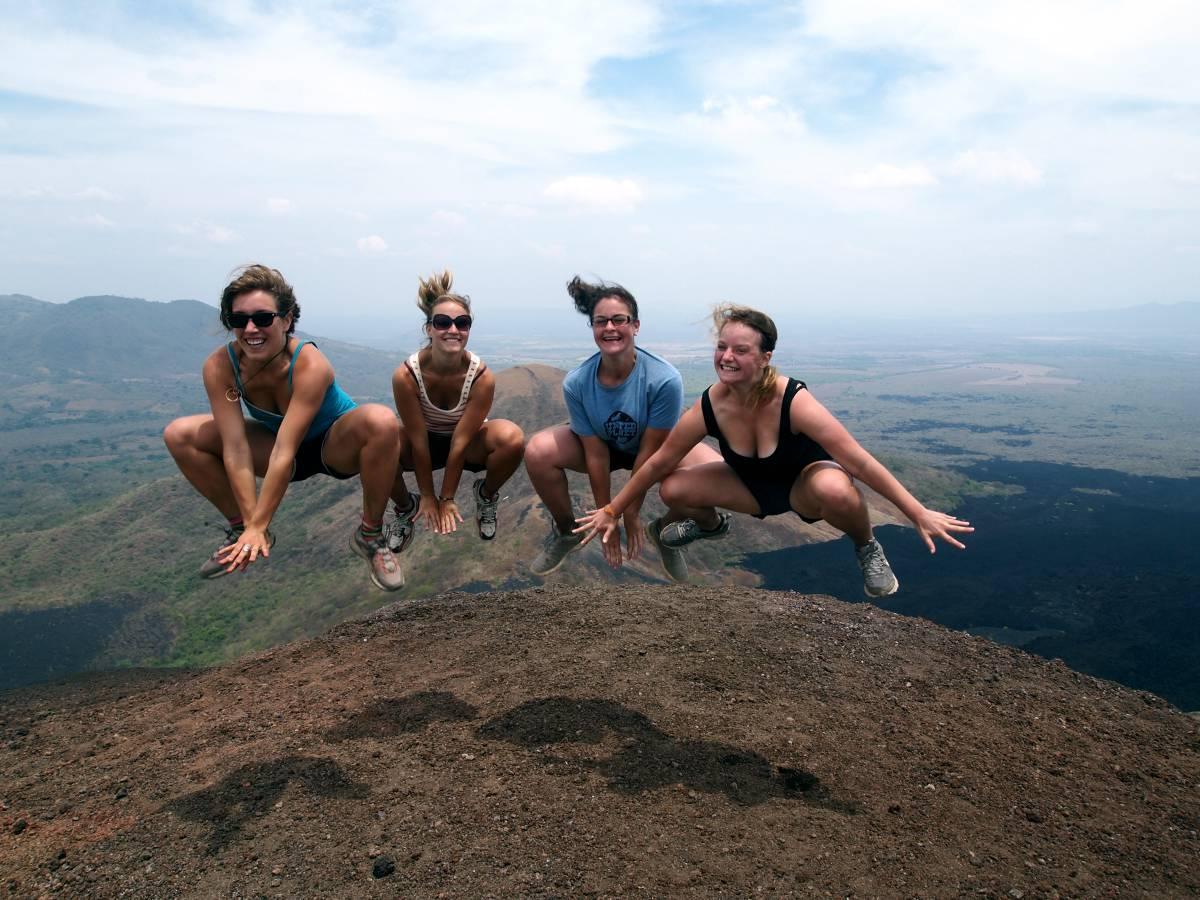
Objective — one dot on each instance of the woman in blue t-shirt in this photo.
(300, 424)
(622, 402)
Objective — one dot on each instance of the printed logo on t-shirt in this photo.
(620, 428)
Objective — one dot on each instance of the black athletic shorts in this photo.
(439, 451)
(619, 459)
(309, 461)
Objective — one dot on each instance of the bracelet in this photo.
(608, 509)
(445, 499)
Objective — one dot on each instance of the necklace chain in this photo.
(233, 395)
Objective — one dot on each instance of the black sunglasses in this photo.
(261, 319)
(442, 322)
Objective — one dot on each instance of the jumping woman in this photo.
(300, 424)
(781, 451)
(443, 394)
(622, 402)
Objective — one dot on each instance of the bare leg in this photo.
(824, 490)
(681, 494)
(194, 442)
(366, 440)
(705, 486)
(548, 455)
(499, 446)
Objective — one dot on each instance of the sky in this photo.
(844, 158)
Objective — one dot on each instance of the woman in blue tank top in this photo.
(781, 451)
(300, 424)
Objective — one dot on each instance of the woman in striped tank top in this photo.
(443, 394)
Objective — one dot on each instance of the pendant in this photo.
(233, 395)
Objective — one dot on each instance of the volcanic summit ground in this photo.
(628, 740)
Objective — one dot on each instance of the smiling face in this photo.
(253, 340)
(613, 339)
(452, 339)
(738, 357)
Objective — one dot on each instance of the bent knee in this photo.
(380, 422)
(178, 434)
(835, 492)
(509, 436)
(541, 450)
(673, 490)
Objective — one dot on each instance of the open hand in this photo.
(448, 516)
(931, 524)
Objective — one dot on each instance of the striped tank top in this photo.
(442, 421)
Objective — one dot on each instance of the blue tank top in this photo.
(335, 404)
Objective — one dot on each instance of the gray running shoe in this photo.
(555, 548)
(381, 562)
(878, 578)
(674, 560)
(683, 532)
(485, 510)
(213, 567)
(399, 532)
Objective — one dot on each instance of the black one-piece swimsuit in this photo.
(770, 478)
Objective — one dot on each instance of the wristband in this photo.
(608, 509)
(445, 499)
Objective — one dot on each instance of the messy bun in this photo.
(586, 295)
(436, 288)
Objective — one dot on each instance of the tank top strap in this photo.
(237, 369)
(794, 387)
(710, 418)
(472, 370)
(414, 366)
(295, 353)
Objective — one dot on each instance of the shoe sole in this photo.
(556, 566)
(360, 551)
(894, 589)
(652, 531)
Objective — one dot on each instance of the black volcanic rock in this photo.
(564, 741)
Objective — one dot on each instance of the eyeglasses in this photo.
(442, 322)
(618, 321)
(261, 319)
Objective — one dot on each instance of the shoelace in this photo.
(487, 509)
(873, 563)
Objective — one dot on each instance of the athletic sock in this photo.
(369, 531)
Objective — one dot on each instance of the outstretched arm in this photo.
(809, 416)
(686, 434)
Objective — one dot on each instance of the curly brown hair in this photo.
(256, 277)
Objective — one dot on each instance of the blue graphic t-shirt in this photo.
(651, 397)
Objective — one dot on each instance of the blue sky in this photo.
(928, 157)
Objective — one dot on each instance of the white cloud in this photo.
(592, 193)
(279, 206)
(448, 218)
(372, 245)
(885, 176)
(95, 220)
(1004, 167)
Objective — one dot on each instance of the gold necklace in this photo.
(233, 395)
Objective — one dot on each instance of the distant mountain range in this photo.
(48, 331)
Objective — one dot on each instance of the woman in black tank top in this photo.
(781, 451)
